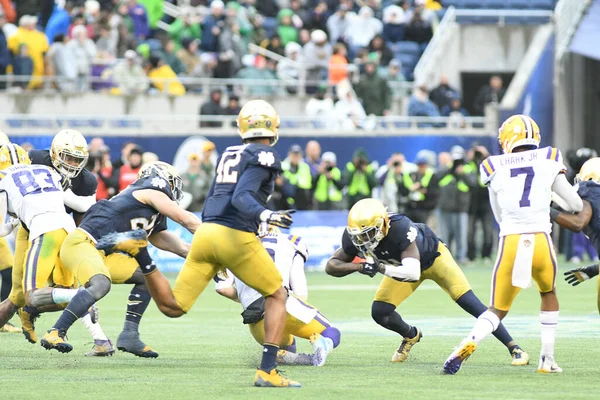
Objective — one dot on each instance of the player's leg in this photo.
(383, 310)
(80, 256)
(544, 273)
(6, 263)
(16, 298)
(448, 275)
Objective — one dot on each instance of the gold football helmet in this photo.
(368, 223)
(258, 119)
(519, 130)
(590, 171)
(166, 171)
(69, 152)
(4, 139)
(13, 154)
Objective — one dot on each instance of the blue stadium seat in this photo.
(542, 4)
(518, 4)
(494, 4)
(406, 47)
(472, 3)
(407, 60)
(455, 3)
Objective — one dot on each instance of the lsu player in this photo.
(407, 253)
(587, 221)
(521, 182)
(144, 207)
(6, 265)
(234, 207)
(289, 253)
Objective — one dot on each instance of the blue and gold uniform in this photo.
(590, 191)
(227, 238)
(437, 264)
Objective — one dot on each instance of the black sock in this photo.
(471, 304)
(76, 309)
(136, 305)
(269, 357)
(6, 283)
(385, 315)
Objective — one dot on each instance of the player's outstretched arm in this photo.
(410, 269)
(161, 292)
(573, 222)
(164, 205)
(340, 264)
(168, 241)
(568, 193)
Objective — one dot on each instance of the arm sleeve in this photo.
(298, 278)
(566, 192)
(495, 206)
(79, 203)
(243, 196)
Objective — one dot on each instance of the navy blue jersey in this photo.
(590, 191)
(244, 180)
(124, 212)
(401, 234)
(84, 184)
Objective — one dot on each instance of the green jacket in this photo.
(178, 31)
(155, 11)
(375, 94)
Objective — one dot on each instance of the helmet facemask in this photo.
(69, 164)
(368, 237)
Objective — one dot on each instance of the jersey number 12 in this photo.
(529, 173)
(229, 160)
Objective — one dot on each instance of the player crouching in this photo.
(303, 320)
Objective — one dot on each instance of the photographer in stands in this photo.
(359, 177)
(99, 163)
(297, 173)
(328, 184)
(421, 190)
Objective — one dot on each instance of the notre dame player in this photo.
(407, 254)
(143, 206)
(588, 220)
(227, 239)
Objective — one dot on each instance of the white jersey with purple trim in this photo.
(33, 193)
(522, 183)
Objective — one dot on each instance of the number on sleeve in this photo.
(529, 173)
(229, 160)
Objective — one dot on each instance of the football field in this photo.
(210, 354)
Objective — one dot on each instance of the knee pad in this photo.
(98, 286)
(380, 311)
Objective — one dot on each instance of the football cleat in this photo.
(458, 356)
(129, 242)
(273, 379)
(321, 348)
(547, 365)
(102, 348)
(129, 342)
(10, 328)
(56, 340)
(28, 315)
(285, 357)
(407, 343)
(519, 357)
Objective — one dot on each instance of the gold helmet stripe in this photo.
(528, 127)
(14, 157)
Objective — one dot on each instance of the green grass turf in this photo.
(210, 354)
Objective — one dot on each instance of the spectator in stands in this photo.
(211, 27)
(289, 71)
(8, 11)
(378, 47)
(129, 171)
(297, 173)
(418, 29)
(22, 67)
(393, 24)
(393, 74)
(492, 93)
(328, 184)
(212, 107)
(320, 106)
(186, 26)
(126, 41)
(129, 75)
(303, 37)
(139, 19)
(197, 180)
(389, 177)
(171, 58)
(455, 186)
(259, 34)
(4, 52)
(337, 24)
(444, 161)
(79, 19)
(313, 156)
(274, 45)
(282, 192)
(231, 49)
(59, 21)
(362, 29)
(318, 16)
(103, 169)
(300, 12)
(421, 190)
(317, 53)
(374, 91)
(122, 160)
(480, 210)
(155, 11)
(349, 112)
(106, 46)
(419, 104)
(359, 177)
(163, 78)
(233, 107)
(456, 112)
(63, 63)
(36, 44)
(286, 30)
(188, 55)
(258, 71)
(338, 64)
(443, 93)
(268, 8)
(84, 52)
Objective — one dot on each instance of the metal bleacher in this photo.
(509, 12)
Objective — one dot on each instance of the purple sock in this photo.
(292, 347)
(333, 334)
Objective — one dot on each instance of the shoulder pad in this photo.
(41, 157)
(586, 189)
(299, 245)
(263, 156)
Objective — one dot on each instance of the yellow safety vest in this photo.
(301, 178)
(461, 186)
(359, 183)
(326, 189)
(425, 180)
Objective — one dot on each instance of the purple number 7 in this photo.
(529, 173)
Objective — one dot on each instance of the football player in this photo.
(303, 320)
(143, 206)
(520, 184)
(407, 253)
(234, 207)
(587, 221)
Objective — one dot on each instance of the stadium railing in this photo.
(568, 14)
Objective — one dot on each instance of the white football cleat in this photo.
(321, 347)
(547, 365)
(458, 356)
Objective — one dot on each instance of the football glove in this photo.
(129, 242)
(577, 275)
(281, 219)
(370, 267)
